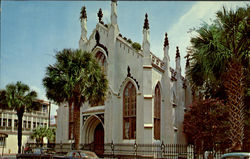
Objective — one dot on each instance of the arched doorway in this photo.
(99, 140)
(93, 134)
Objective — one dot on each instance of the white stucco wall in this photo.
(121, 55)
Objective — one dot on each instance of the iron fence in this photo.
(127, 151)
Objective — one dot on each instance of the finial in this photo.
(97, 37)
(166, 40)
(83, 13)
(188, 60)
(129, 74)
(99, 14)
(177, 52)
(146, 25)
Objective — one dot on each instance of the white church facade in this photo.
(146, 99)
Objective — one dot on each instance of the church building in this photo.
(146, 98)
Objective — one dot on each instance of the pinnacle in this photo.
(146, 24)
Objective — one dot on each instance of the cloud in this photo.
(106, 16)
(200, 12)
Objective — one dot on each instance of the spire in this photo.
(178, 64)
(113, 15)
(100, 15)
(166, 40)
(146, 24)
(83, 13)
(83, 20)
(166, 58)
(177, 52)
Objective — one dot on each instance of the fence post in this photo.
(135, 147)
(112, 149)
(61, 146)
(162, 149)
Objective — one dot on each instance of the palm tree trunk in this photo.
(19, 129)
(235, 102)
(77, 106)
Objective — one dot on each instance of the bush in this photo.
(130, 41)
(136, 46)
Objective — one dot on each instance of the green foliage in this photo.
(75, 73)
(41, 132)
(214, 50)
(20, 98)
(75, 78)
(136, 46)
(227, 38)
(129, 41)
(206, 123)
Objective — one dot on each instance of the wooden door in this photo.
(99, 140)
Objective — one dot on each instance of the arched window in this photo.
(129, 112)
(102, 61)
(157, 113)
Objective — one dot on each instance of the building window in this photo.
(45, 125)
(101, 59)
(38, 124)
(2, 142)
(29, 124)
(9, 122)
(129, 112)
(25, 124)
(4, 122)
(34, 125)
(45, 108)
(157, 113)
(15, 123)
(0, 121)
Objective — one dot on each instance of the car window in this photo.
(90, 154)
(37, 151)
(83, 154)
(69, 154)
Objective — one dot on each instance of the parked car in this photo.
(36, 153)
(78, 154)
(236, 155)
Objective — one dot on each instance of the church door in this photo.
(99, 140)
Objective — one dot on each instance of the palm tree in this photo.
(75, 78)
(19, 97)
(40, 132)
(220, 55)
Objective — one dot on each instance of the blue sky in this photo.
(32, 31)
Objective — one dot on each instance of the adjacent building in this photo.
(9, 121)
(146, 98)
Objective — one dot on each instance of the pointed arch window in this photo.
(101, 58)
(129, 112)
(157, 113)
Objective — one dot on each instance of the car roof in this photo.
(244, 154)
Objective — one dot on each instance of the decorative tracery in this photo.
(129, 111)
(157, 113)
(101, 58)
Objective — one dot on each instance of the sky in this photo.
(32, 31)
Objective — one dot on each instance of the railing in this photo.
(170, 151)
(161, 151)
